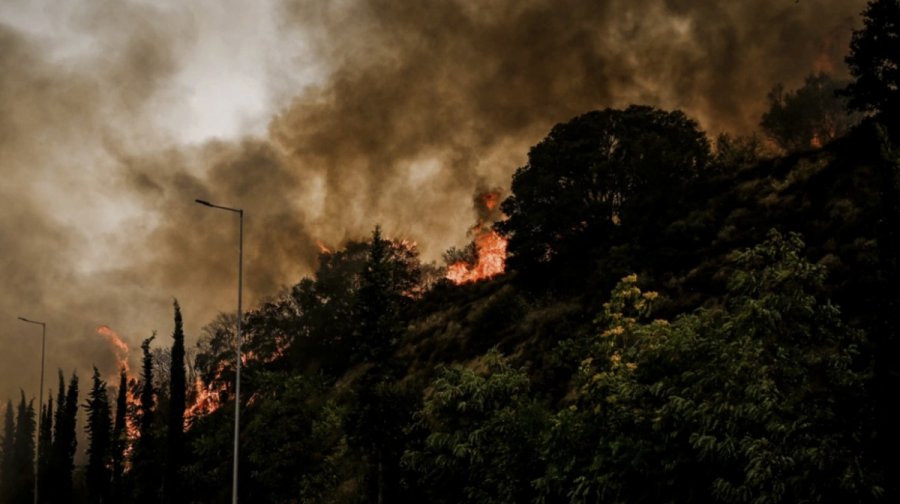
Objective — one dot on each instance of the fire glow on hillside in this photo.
(490, 247)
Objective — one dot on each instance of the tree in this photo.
(599, 172)
(62, 456)
(7, 454)
(99, 427)
(298, 460)
(382, 406)
(145, 466)
(874, 61)
(44, 454)
(175, 431)
(756, 400)
(23, 454)
(482, 435)
(807, 117)
(119, 439)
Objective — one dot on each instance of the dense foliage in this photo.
(680, 322)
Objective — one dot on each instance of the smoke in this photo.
(379, 112)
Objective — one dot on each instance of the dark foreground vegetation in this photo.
(680, 321)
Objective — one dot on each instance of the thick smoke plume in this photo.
(405, 110)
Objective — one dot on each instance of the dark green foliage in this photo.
(21, 490)
(7, 453)
(808, 117)
(753, 401)
(874, 61)
(483, 428)
(599, 172)
(145, 464)
(175, 431)
(297, 461)
(44, 453)
(58, 486)
(99, 429)
(119, 440)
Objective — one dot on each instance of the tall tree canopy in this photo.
(874, 60)
(99, 429)
(175, 431)
(592, 174)
(807, 117)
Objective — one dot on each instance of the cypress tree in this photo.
(119, 439)
(46, 437)
(68, 441)
(23, 454)
(99, 432)
(144, 463)
(175, 444)
(7, 452)
(55, 473)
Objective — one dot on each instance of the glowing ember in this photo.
(490, 247)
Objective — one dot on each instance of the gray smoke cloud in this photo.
(412, 108)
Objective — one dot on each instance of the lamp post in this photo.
(237, 386)
(37, 451)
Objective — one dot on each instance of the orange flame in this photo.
(120, 348)
(490, 247)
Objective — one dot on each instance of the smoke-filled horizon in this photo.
(321, 120)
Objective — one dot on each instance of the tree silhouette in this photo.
(175, 431)
(7, 454)
(99, 427)
(145, 466)
(593, 175)
(807, 117)
(44, 454)
(874, 61)
(119, 439)
(23, 458)
(62, 456)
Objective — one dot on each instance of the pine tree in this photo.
(58, 486)
(378, 396)
(55, 471)
(98, 429)
(46, 437)
(119, 439)
(23, 454)
(6, 454)
(175, 439)
(144, 463)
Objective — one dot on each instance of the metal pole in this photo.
(237, 390)
(37, 450)
(237, 379)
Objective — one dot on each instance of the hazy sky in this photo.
(320, 119)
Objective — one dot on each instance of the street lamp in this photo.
(37, 450)
(237, 386)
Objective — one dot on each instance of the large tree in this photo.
(598, 172)
(145, 463)
(757, 399)
(7, 452)
(99, 427)
(874, 61)
(23, 454)
(808, 117)
(119, 438)
(175, 430)
(44, 453)
(62, 452)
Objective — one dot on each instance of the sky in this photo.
(321, 120)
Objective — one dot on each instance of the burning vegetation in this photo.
(485, 256)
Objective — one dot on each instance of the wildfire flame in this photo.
(490, 247)
(120, 348)
(205, 398)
